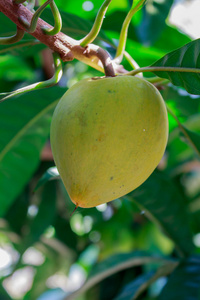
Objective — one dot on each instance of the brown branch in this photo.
(67, 47)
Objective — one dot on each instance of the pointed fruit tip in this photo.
(74, 210)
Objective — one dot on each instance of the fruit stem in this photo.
(106, 61)
(74, 210)
(103, 56)
(89, 38)
(124, 30)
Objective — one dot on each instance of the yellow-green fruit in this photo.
(107, 137)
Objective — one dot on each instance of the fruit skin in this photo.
(107, 137)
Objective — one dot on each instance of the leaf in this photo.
(14, 69)
(182, 103)
(64, 232)
(153, 20)
(170, 39)
(3, 293)
(16, 216)
(24, 128)
(134, 288)
(44, 218)
(130, 290)
(184, 282)
(28, 46)
(143, 55)
(178, 151)
(160, 199)
(193, 138)
(50, 174)
(80, 8)
(114, 23)
(186, 57)
(115, 264)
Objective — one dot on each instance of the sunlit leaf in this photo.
(44, 217)
(25, 123)
(185, 57)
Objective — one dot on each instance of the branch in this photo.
(67, 47)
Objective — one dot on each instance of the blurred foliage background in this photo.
(144, 245)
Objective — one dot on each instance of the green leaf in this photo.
(134, 288)
(153, 20)
(14, 68)
(78, 8)
(182, 103)
(143, 55)
(24, 128)
(160, 199)
(16, 216)
(64, 232)
(3, 293)
(178, 150)
(115, 264)
(184, 282)
(193, 138)
(8, 28)
(130, 291)
(114, 23)
(185, 57)
(50, 174)
(44, 218)
(170, 39)
(28, 46)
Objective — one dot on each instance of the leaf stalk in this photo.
(124, 30)
(31, 27)
(163, 69)
(57, 20)
(90, 37)
(42, 84)
(14, 38)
